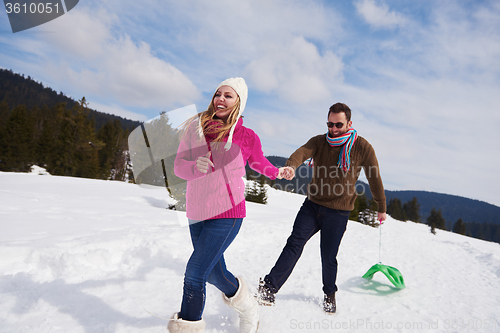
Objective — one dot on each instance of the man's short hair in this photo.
(340, 107)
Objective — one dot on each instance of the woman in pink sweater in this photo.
(212, 155)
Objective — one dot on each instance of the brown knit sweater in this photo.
(331, 186)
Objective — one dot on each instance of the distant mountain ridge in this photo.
(16, 89)
(452, 207)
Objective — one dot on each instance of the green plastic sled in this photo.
(392, 273)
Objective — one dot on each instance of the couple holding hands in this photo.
(214, 150)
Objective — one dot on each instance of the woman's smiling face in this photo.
(224, 99)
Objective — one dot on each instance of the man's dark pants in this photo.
(310, 219)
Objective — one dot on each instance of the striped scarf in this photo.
(345, 140)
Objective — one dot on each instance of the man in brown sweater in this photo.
(337, 159)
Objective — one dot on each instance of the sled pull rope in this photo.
(380, 241)
(155, 315)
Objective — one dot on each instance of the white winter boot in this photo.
(178, 325)
(246, 306)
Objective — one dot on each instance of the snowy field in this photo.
(80, 255)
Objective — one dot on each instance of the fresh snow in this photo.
(81, 255)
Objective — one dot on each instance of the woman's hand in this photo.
(286, 172)
(203, 162)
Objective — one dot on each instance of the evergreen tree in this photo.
(3, 149)
(412, 210)
(45, 137)
(4, 115)
(395, 209)
(85, 142)
(485, 232)
(111, 156)
(256, 191)
(359, 206)
(122, 166)
(363, 203)
(354, 214)
(366, 211)
(62, 162)
(436, 220)
(18, 134)
(251, 174)
(4, 112)
(496, 235)
(459, 227)
(370, 214)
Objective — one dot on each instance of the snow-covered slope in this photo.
(80, 255)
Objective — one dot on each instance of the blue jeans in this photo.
(210, 239)
(310, 219)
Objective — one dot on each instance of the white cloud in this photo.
(80, 33)
(296, 71)
(463, 42)
(239, 27)
(90, 59)
(94, 53)
(379, 16)
(223, 37)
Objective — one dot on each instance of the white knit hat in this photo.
(239, 85)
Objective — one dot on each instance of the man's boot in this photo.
(329, 304)
(264, 294)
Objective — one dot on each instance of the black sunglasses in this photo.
(338, 125)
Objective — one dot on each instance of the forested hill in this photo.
(16, 89)
(452, 207)
(41, 127)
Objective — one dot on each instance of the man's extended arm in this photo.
(372, 172)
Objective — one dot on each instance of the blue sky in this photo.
(422, 77)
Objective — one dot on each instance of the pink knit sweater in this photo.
(219, 193)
